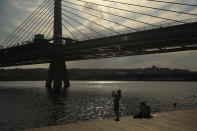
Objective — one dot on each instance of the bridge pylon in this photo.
(57, 71)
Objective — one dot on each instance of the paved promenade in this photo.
(179, 120)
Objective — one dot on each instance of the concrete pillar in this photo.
(65, 77)
(49, 75)
(58, 73)
(57, 69)
(57, 32)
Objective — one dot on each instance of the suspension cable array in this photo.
(70, 32)
(25, 31)
(125, 11)
(90, 6)
(25, 23)
(101, 18)
(75, 28)
(174, 11)
(40, 23)
(113, 14)
(176, 3)
(36, 23)
(83, 19)
(90, 21)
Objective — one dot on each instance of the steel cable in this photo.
(102, 18)
(176, 3)
(26, 21)
(174, 11)
(69, 32)
(35, 22)
(75, 28)
(23, 31)
(114, 14)
(91, 21)
(82, 24)
(130, 11)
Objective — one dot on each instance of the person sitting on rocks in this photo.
(145, 111)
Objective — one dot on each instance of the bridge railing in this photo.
(163, 25)
(178, 23)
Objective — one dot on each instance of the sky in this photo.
(14, 12)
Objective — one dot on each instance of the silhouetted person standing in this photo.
(117, 96)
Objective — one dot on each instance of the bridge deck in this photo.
(160, 40)
(180, 120)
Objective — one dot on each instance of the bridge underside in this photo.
(160, 40)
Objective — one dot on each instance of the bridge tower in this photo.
(57, 69)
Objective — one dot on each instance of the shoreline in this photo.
(108, 80)
(171, 120)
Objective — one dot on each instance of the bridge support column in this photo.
(57, 73)
(50, 75)
(65, 77)
(57, 69)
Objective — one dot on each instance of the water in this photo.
(28, 104)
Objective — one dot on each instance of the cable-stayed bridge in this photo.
(65, 30)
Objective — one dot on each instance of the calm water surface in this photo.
(28, 104)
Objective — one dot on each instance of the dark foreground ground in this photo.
(179, 120)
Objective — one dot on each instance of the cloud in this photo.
(173, 60)
(14, 12)
(24, 4)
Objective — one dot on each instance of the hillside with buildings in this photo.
(151, 73)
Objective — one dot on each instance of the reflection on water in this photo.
(29, 104)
